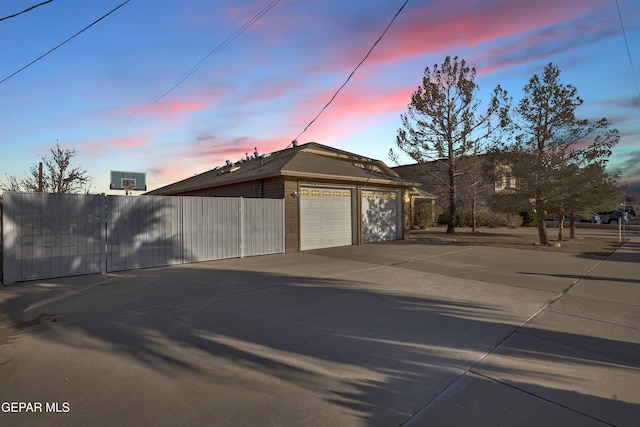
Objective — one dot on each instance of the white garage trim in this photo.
(325, 217)
(380, 216)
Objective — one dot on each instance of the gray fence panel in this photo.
(51, 235)
(143, 232)
(56, 235)
(211, 228)
(263, 226)
(9, 238)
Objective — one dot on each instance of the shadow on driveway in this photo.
(379, 354)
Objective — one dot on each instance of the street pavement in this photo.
(425, 332)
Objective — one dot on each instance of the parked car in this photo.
(613, 216)
(556, 218)
(595, 218)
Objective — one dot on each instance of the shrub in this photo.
(513, 220)
(528, 218)
(484, 218)
(423, 216)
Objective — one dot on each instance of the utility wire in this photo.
(26, 10)
(64, 42)
(353, 72)
(624, 33)
(193, 69)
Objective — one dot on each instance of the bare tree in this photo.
(58, 175)
(12, 184)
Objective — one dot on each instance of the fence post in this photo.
(103, 233)
(241, 226)
(181, 232)
(284, 226)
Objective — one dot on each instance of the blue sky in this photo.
(96, 93)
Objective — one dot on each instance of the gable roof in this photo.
(310, 160)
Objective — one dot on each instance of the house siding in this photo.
(292, 216)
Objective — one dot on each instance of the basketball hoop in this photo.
(128, 181)
(129, 187)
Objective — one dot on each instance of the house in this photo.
(332, 197)
(471, 181)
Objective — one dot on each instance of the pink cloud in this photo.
(129, 142)
(168, 109)
(165, 175)
(273, 90)
(632, 102)
(443, 26)
(207, 151)
(218, 149)
(96, 147)
(352, 110)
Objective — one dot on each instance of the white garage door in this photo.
(325, 217)
(379, 216)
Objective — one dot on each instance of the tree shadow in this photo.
(51, 235)
(144, 232)
(381, 220)
(628, 251)
(60, 235)
(378, 354)
(472, 401)
(575, 277)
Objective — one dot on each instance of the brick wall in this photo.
(273, 188)
(292, 216)
(270, 188)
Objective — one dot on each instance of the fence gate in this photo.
(143, 232)
(56, 235)
(51, 235)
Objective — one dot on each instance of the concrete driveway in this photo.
(413, 332)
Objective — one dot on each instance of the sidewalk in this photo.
(575, 363)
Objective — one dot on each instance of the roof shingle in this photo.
(311, 160)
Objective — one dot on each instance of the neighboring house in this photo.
(470, 180)
(332, 197)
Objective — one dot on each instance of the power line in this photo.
(26, 10)
(64, 42)
(354, 70)
(624, 33)
(193, 69)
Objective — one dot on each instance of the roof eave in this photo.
(371, 180)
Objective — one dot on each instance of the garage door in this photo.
(325, 217)
(379, 216)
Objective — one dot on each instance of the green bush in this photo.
(424, 215)
(484, 218)
(528, 218)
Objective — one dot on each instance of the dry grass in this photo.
(587, 242)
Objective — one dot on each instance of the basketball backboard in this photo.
(128, 181)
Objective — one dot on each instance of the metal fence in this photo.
(57, 235)
(143, 232)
